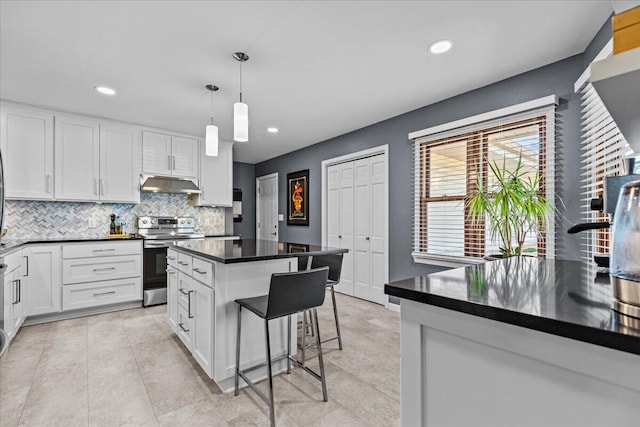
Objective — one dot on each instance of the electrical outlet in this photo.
(92, 223)
(206, 222)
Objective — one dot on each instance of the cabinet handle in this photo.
(101, 187)
(182, 327)
(15, 292)
(48, 183)
(104, 293)
(169, 162)
(27, 261)
(104, 269)
(189, 304)
(19, 290)
(183, 292)
(171, 258)
(95, 186)
(170, 271)
(173, 167)
(183, 263)
(104, 250)
(197, 270)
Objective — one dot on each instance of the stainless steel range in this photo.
(159, 232)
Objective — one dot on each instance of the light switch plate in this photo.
(280, 217)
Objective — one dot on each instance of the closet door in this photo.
(378, 221)
(362, 229)
(340, 219)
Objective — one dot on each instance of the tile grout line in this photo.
(46, 340)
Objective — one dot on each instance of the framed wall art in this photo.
(298, 195)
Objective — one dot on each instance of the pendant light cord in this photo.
(240, 81)
(212, 107)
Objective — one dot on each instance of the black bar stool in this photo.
(289, 293)
(334, 262)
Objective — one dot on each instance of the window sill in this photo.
(444, 260)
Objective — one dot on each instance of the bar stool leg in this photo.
(320, 359)
(288, 344)
(268, 350)
(238, 330)
(304, 333)
(335, 315)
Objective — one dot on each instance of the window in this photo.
(603, 148)
(447, 163)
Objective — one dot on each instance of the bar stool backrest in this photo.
(294, 292)
(333, 261)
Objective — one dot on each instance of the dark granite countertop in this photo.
(9, 245)
(565, 298)
(245, 250)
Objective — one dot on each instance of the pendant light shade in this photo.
(240, 109)
(240, 122)
(211, 141)
(211, 135)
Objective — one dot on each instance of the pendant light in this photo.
(211, 139)
(240, 109)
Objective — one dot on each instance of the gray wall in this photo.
(557, 78)
(244, 178)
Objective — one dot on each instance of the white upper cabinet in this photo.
(156, 153)
(77, 159)
(119, 163)
(185, 156)
(164, 154)
(27, 150)
(216, 178)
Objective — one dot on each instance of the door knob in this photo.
(274, 234)
(339, 236)
(367, 238)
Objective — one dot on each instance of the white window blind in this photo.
(603, 148)
(446, 164)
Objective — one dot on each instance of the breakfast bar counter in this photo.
(508, 336)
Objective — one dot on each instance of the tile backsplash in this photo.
(29, 219)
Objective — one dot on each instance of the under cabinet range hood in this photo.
(163, 184)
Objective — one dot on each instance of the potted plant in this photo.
(510, 204)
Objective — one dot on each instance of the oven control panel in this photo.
(166, 223)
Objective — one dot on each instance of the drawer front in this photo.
(184, 290)
(99, 269)
(184, 263)
(13, 261)
(185, 330)
(202, 271)
(101, 293)
(172, 258)
(100, 249)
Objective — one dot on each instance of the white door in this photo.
(184, 155)
(378, 220)
(216, 177)
(362, 221)
(156, 153)
(77, 158)
(27, 151)
(340, 219)
(267, 207)
(43, 272)
(119, 160)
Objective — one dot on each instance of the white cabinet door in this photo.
(8, 303)
(156, 153)
(202, 310)
(216, 177)
(184, 156)
(27, 150)
(172, 297)
(18, 306)
(45, 280)
(119, 164)
(77, 159)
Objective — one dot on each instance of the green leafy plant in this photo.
(511, 206)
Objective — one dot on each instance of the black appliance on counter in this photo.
(159, 233)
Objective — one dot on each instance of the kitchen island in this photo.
(205, 277)
(519, 341)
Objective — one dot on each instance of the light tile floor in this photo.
(128, 368)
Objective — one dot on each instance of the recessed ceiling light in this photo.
(104, 90)
(441, 46)
(272, 130)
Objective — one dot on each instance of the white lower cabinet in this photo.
(101, 273)
(172, 297)
(14, 297)
(190, 300)
(45, 280)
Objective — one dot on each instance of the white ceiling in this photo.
(316, 70)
